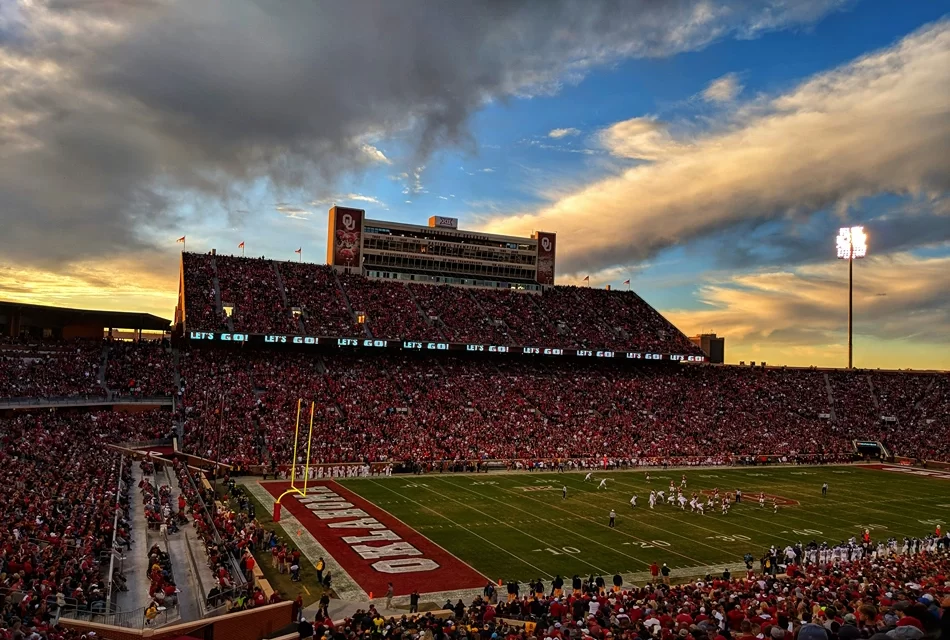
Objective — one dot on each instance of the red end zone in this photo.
(372, 546)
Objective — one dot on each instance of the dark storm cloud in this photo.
(112, 112)
(798, 242)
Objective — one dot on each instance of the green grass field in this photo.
(517, 525)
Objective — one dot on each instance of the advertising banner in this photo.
(546, 249)
(343, 245)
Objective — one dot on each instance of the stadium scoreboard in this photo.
(378, 344)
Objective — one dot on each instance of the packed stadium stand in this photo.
(265, 293)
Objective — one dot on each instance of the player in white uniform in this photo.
(700, 508)
(652, 499)
(761, 500)
(587, 477)
(633, 501)
(682, 501)
(603, 484)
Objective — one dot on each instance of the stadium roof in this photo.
(64, 316)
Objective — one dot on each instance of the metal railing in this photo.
(115, 535)
(240, 580)
(80, 400)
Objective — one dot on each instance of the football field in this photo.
(518, 525)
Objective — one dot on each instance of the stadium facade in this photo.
(439, 253)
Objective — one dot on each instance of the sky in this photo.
(707, 151)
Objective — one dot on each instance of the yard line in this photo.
(430, 540)
(509, 505)
(683, 522)
(860, 494)
(458, 526)
(468, 506)
(787, 513)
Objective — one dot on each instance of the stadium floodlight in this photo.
(852, 243)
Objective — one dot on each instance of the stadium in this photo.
(426, 433)
(474, 320)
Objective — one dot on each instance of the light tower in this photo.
(852, 243)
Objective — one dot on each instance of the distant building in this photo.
(439, 253)
(712, 345)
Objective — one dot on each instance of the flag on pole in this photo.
(586, 278)
(300, 250)
(626, 282)
(181, 240)
(241, 246)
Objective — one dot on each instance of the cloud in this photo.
(118, 115)
(878, 125)
(487, 170)
(348, 197)
(724, 89)
(292, 212)
(563, 133)
(802, 312)
(643, 138)
(375, 154)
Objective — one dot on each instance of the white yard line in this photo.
(343, 584)
(680, 521)
(551, 522)
(458, 526)
(524, 533)
(629, 580)
(413, 529)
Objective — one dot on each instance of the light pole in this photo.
(852, 243)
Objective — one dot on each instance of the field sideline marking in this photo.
(629, 535)
(419, 534)
(688, 539)
(524, 532)
(347, 587)
(458, 526)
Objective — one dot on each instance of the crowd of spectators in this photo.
(313, 289)
(142, 368)
(252, 286)
(50, 369)
(201, 309)
(218, 403)
(894, 598)
(384, 407)
(567, 317)
(389, 309)
(60, 496)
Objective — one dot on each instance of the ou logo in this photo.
(546, 243)
(348, 222)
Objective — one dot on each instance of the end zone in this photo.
(372, 546)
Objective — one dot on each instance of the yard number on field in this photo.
(561, 551)
(649, 545)
(731, 538)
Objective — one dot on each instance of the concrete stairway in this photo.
(135, 565)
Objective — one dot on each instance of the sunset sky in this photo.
(706, 150)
